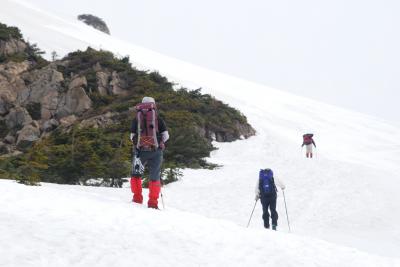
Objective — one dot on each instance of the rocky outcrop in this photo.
(36, 99)
(17, 118)
(102, 82)
(103, 120)
(12, 46)
(9, 139)
(75, 101)
(5, 148)
(49, 125)
(116, 84)
(11, 84)
(95, 22)
(27, 135)
(77, 81)
(44, 87)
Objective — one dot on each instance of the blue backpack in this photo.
(267, 183)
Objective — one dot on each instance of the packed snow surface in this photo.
(59, 225)
(343, 205)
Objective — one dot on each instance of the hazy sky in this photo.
(343, 52)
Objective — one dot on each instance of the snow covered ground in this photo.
(59, 225)
(347, 195)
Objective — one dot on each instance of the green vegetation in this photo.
(7, 33)
(76, 154)
(32, 53)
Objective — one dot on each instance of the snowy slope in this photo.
(348, 194)
(56, 225)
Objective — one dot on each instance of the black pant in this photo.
(271, 203)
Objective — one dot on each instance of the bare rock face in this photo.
(104, 120)
(4, 148)
(75, 101)
(5, 105)
(67, 121)
(29, 134)
(12, 46)
(9, 139)
(244, 130)
(102, 82)
(49, 125)
(11, 84)
(116, 83)
(78, 81)
(17, 118)
(45, 87)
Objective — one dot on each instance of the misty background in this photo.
(342, 52)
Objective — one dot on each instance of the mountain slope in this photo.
(59, 225)
(347, 194)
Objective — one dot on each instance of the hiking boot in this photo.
(266, 226)
(152, 206)
(274, 227)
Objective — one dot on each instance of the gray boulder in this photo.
(17, 118)
(29, 134)
(4, 148)
(11, 47)
(9, 139)
(50, 125)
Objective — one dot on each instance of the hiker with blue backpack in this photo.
(266, 191)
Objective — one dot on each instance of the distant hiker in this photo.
(309, 142)
(266, 192)
(149, 135)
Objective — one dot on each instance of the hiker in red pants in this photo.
(149, 134)
(308, 141)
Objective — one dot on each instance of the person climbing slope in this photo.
(149, 134)
(308, 141)
(266, 191)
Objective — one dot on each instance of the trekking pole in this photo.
(162, 201)
(252, 213)
(287, 216)
(161, 194)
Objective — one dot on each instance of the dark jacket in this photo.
(162, 127)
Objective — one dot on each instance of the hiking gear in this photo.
(307, 138)
(257, 197)
(137, 166)
(287, 216)
(274, 227)
(136, 188)
(266, 183)
(154, 192)
(269, 203)
(251, 215)
(147, 126)
(162, 200)
(148, 99)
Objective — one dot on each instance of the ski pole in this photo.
(287, 216)
(252, 213)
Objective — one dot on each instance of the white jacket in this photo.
(277, 181)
